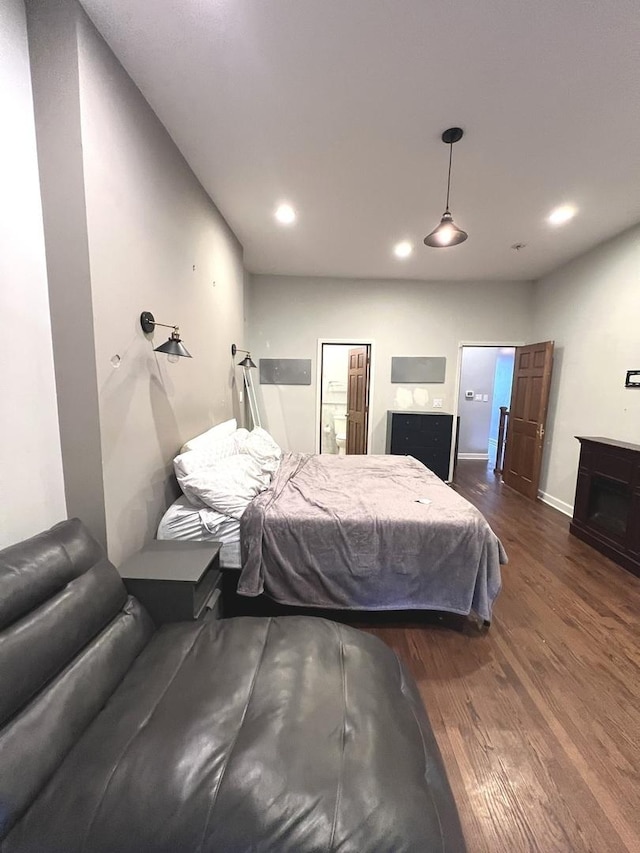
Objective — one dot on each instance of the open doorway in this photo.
(344, 393)
(484, 385)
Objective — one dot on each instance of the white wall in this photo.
(591, 308)
(31, 482)
(335, 373)
(289, 314)
(335, 379)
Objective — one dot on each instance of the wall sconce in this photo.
(174, 346)
(246, 361)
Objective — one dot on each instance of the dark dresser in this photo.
(423, 435)
(606, 513)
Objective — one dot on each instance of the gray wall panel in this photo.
(418, 368)
(285, 371)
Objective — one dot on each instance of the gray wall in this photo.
(477, 374)
(56, 87)
(31, 481)
(152, 240)
(289, 314)
(591, 308)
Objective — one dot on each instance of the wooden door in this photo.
(527, 417)
(358, 400)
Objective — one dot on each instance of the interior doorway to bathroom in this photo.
(344, 396)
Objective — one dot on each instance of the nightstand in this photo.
(175, 581)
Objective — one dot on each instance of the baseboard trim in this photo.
(556, 503)
(473, 456)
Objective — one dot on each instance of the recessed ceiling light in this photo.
(403, 249)
(561, 214)
(285, 214)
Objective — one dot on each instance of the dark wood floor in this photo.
(538, 721)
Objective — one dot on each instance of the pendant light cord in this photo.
(449, 176)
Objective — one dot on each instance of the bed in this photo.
(368, 533)
(373, 533)
(214, 491)
(196, 522)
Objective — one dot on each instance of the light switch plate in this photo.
(478, 398)
(485, 398)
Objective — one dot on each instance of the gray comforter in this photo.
(368, 533)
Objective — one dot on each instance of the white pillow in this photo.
(202, 457)
(263, 448)
(212, 435)
(226, 485)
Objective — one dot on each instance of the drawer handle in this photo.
(210, 603)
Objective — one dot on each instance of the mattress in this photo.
(368, 533)
(187, 522)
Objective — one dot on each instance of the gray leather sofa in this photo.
(284, 734)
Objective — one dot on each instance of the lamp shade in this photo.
(173, 346)
(446, 234)
(247, 361)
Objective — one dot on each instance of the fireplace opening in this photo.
(609, 504)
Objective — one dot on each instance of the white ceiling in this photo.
(337, 106)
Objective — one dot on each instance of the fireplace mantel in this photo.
(610, 442)
(607, 506)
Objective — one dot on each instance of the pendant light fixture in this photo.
(447, 233)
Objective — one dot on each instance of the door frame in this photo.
(456, 396)
(356, 342)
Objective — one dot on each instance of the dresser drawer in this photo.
(423, 435)
(400, 442)
(435, 460)
(425, 426)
